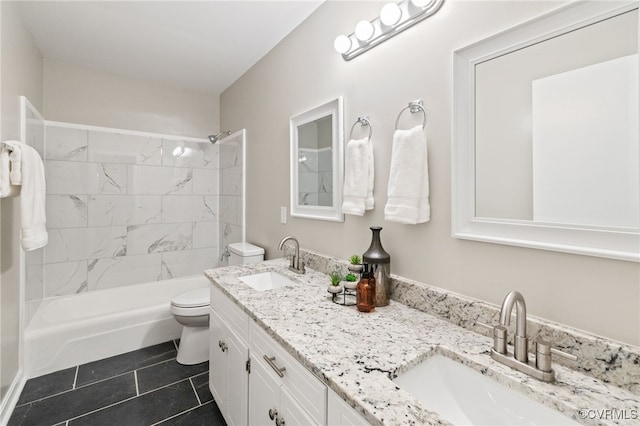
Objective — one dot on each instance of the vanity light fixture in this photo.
(394, 18)
(364, 30)
(390, 14)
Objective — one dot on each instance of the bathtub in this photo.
(70, 330)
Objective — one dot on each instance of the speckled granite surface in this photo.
(356, 354)
(603, 359)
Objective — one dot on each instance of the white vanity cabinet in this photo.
(228, 358)
(243, 373)
(339, 413)
(281, 390)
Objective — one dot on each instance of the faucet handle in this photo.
(544, 349)
(499, 336)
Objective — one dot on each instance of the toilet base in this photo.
(194, 345)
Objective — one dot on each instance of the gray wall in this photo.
(84, 96)
(21, 75)
(598, 295)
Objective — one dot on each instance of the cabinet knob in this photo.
(279, 421)
(223, 345)
(273, 413)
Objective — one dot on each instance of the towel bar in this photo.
(414, 107)
(363, 121)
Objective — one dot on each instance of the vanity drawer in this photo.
(232, 314)
(301, 384)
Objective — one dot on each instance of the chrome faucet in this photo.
(540, 368)
(225, 254)
(296, 265)
(520, 340)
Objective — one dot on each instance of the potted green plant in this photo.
(350, 281)
(355, 264)
(335, 286)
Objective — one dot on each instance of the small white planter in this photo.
(350, 285)
(334, 289)
(356, 269)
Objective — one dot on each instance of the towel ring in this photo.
(363, 121)
(414, 107)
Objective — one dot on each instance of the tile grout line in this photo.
(101, 408)
(181, 413)
(167, 385)
(126, 400)
(75, 387)
(135, 377)
(75, 378)
(195, 391)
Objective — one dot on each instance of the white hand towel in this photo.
(32, 197)
(358, 177)
(369, 201)
(408, 192)
(15, 158)
(6, 188)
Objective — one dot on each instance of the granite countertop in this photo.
(356, 354)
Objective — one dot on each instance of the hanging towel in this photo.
(32, 196)
(6, 188)
(358, 177)
(408, 192)
(15, 158)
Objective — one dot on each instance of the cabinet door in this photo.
(217, 361)
(237, 380)
(339, 413)
(291, 412)
(264, 394)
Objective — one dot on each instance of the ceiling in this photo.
(197, 45)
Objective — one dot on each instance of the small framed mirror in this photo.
(317, 162)
(545, 127)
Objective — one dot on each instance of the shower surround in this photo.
(125, 208)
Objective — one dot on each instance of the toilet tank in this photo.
(243, 253)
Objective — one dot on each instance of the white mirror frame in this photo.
(334, 108)
(615, 243)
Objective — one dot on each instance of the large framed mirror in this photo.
(545, 128)
(317, 161)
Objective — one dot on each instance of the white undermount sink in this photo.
(266, 281)
(464, 396)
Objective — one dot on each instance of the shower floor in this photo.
(143, 387)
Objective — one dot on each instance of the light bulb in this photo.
(390, 14)
(364, 30)
(420, 3)
(342, 44)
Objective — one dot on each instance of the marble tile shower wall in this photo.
(125, 209)
(231, 190)
(315, 177)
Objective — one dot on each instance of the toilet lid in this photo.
(192, 298)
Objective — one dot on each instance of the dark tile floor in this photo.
(143, 387)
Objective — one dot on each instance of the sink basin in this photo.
(266, 281)
(462, 395)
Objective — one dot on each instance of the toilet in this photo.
(191, 309)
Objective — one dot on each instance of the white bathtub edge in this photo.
(50, 347)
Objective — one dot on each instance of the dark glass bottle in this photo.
(366, 291)
(380, 263)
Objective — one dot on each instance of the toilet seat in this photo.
(192, 299)
(190, 312)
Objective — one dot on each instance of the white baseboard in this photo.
(11, 398)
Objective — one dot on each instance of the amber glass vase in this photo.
(366, 292)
